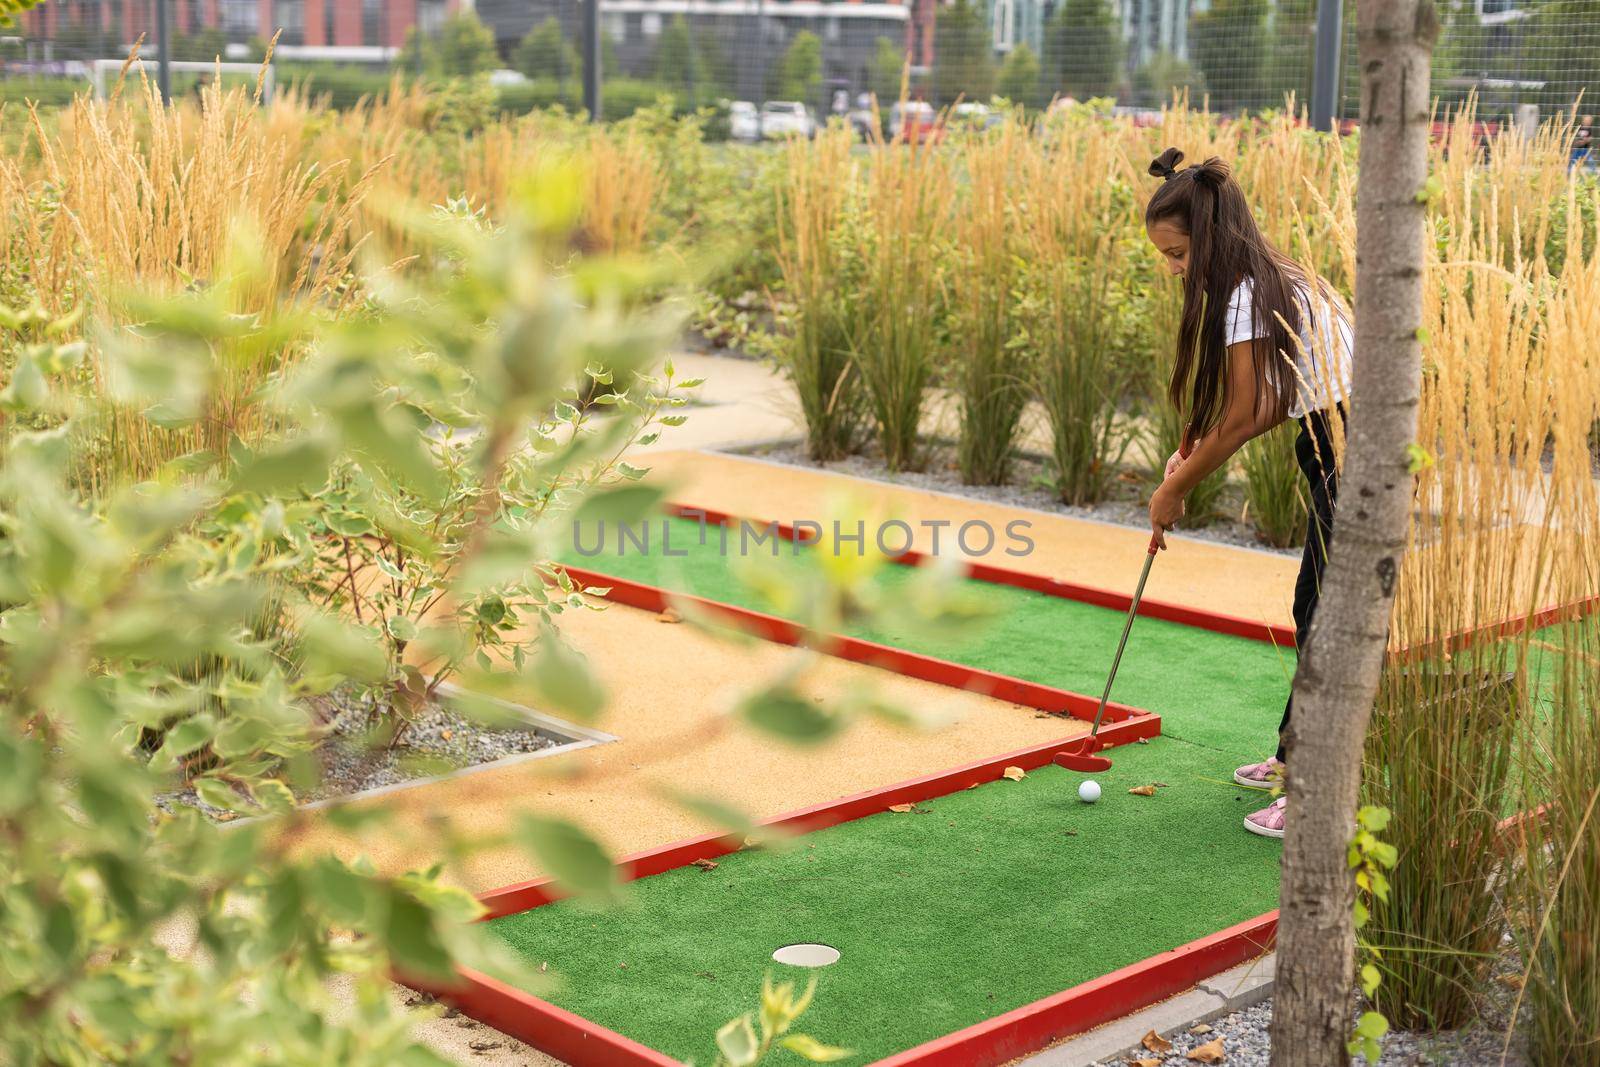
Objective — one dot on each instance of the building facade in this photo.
(377, 26)
(740, 41)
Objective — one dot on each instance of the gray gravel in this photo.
(1245, 1040)
(439, 741)
(1029, 488)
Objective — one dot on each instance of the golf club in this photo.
(1080, 756)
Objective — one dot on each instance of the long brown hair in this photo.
(1226, 247)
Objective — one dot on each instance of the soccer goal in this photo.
(110, 68)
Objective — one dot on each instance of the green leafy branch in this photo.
(1370, 858)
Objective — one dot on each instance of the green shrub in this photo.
(47, 92)
(1275, 502)
(537, 95)
(341, 86)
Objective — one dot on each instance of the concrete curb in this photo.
(1232, 990)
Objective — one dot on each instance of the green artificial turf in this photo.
(980, 902)
(1211, 689)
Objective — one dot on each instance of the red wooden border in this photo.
(912, 664)
(567, 1036)
(1234, 625)
(532, 894)
(1100, 1000)
(1218, 622)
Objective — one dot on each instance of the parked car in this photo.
(787, 118)
(744, 124)
(914, 120)
(501, 78)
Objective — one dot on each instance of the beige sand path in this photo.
(671, 690)
(1236, 581)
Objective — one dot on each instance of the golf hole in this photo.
(807, 955)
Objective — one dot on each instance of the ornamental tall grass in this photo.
(1505, 523)
(1077, 216)
(812, 201)
(143, 201)
(1556, 890)
(1556, 911)
(1274, 489)
(897, 314)
(990, 369)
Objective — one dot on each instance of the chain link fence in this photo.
(795, 62)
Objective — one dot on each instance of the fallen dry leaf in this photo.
(1199, 1028)
(1210, 1052)
(901, 809)
(1148, 1061)
(1016, 774)
(444, 735)
(669, 615)
(1143, 790)
(1510, 981)
(706, 865)
(1155, 1042)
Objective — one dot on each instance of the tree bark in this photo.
(1337, 677)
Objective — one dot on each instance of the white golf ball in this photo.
(1089, 791)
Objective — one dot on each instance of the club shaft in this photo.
(1133, 610)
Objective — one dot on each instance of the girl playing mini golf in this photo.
(1260, 341)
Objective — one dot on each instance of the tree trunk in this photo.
(1338, 672)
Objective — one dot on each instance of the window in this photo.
(371, 21)
(650, 24)
(430, 16)
(290, 17)
(616, 25)
(239, 19)
(1004, 25)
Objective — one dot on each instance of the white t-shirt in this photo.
(1321, 360)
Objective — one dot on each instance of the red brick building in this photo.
(305, 23)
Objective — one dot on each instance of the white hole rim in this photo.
(807, 954)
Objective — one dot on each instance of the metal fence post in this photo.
(164, 53)
(1325, 74)
(591, 59)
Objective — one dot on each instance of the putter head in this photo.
(1080, 756)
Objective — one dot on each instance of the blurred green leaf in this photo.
(737, 1042)
(562, 678)
(283, 468)
(217, 794)
(622, 504)
(413, 941)
(787, 714)
(570, 856)
(814, 1050)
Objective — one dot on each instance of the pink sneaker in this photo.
(1268, 822)
(1268, 775)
